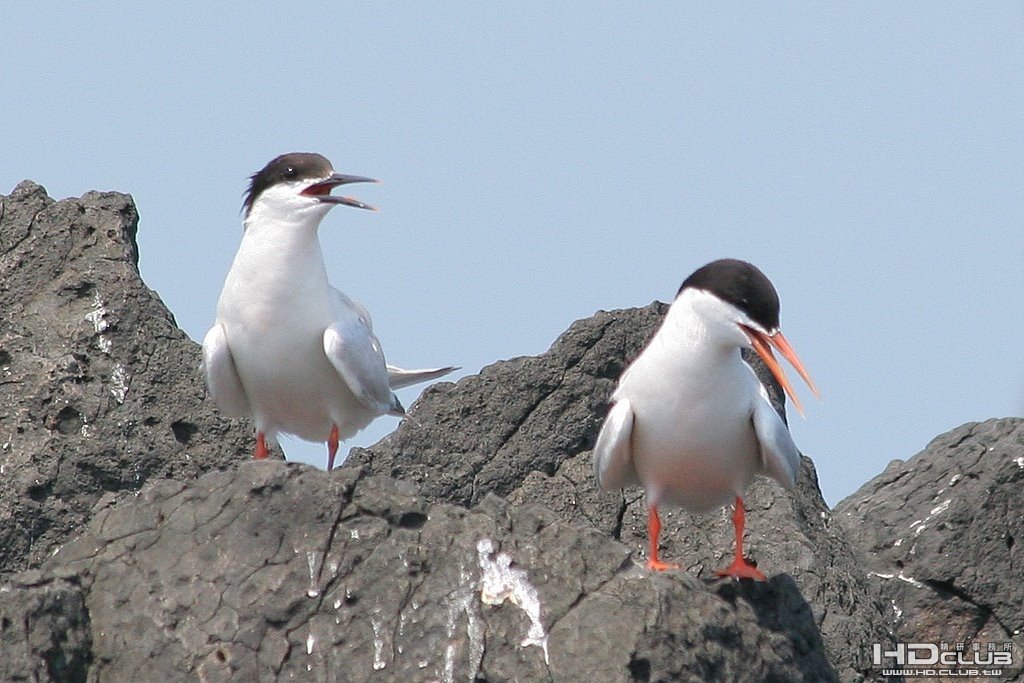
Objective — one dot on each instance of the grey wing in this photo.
(356, 355)
(221, 376)
(345, 307)
(613, 452)
(399, 377)
(780, 458)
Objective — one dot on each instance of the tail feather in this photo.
(399, 378)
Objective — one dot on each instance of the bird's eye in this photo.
(289, 172)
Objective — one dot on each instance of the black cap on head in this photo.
(286, 168)
(740, 284)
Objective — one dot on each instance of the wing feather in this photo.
(780, 458)
(221, 376)
(356, 354)
(613, 452)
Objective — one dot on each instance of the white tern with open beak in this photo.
(689, 419)
(287, 348)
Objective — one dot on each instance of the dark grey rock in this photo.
(45, 631)
(100, 389)
(789, 535)
(280, 572)
(942, 537)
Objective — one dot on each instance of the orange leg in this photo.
(653, 531)
(332, 447)
(261, 447)
(740, 568)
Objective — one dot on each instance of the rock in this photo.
(280, 572)
(101, 391)
(942, 537)
(45, 631)
(788, 535)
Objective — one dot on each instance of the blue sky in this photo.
(541, 161)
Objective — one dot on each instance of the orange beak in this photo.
(763, 344)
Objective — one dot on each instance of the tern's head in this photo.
(740, 302)
(299, 183)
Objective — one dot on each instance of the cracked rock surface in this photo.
(521, 416)
(471, 545)
(98, 386)
(279, 572)
(942, 536)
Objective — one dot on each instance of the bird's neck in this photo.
(694, 337)
(279, 260)
(283, 235)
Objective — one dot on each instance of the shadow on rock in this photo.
(780, 608)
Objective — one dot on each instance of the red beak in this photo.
(763, 344)
(322, 190)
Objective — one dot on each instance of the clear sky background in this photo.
(542, 161)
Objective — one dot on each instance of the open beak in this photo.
(322, 190)
(763, 344)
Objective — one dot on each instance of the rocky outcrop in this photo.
(470, 545)
(99, 386)
(942, 537)
(521, 417)
(275, 572)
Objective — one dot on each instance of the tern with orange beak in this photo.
(287, 348)
(689, 419)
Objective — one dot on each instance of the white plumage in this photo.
(689, 419)
(287, 348)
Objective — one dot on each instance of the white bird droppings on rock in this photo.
(499, 582)
(313, 591)
(119, 383)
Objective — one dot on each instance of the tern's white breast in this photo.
(693, 440)
(275, 307)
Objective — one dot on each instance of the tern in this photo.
(689, 419)
(287, 348)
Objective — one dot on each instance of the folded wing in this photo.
(221, 376)
(780, 458)
(355, 353)
(613, 453)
